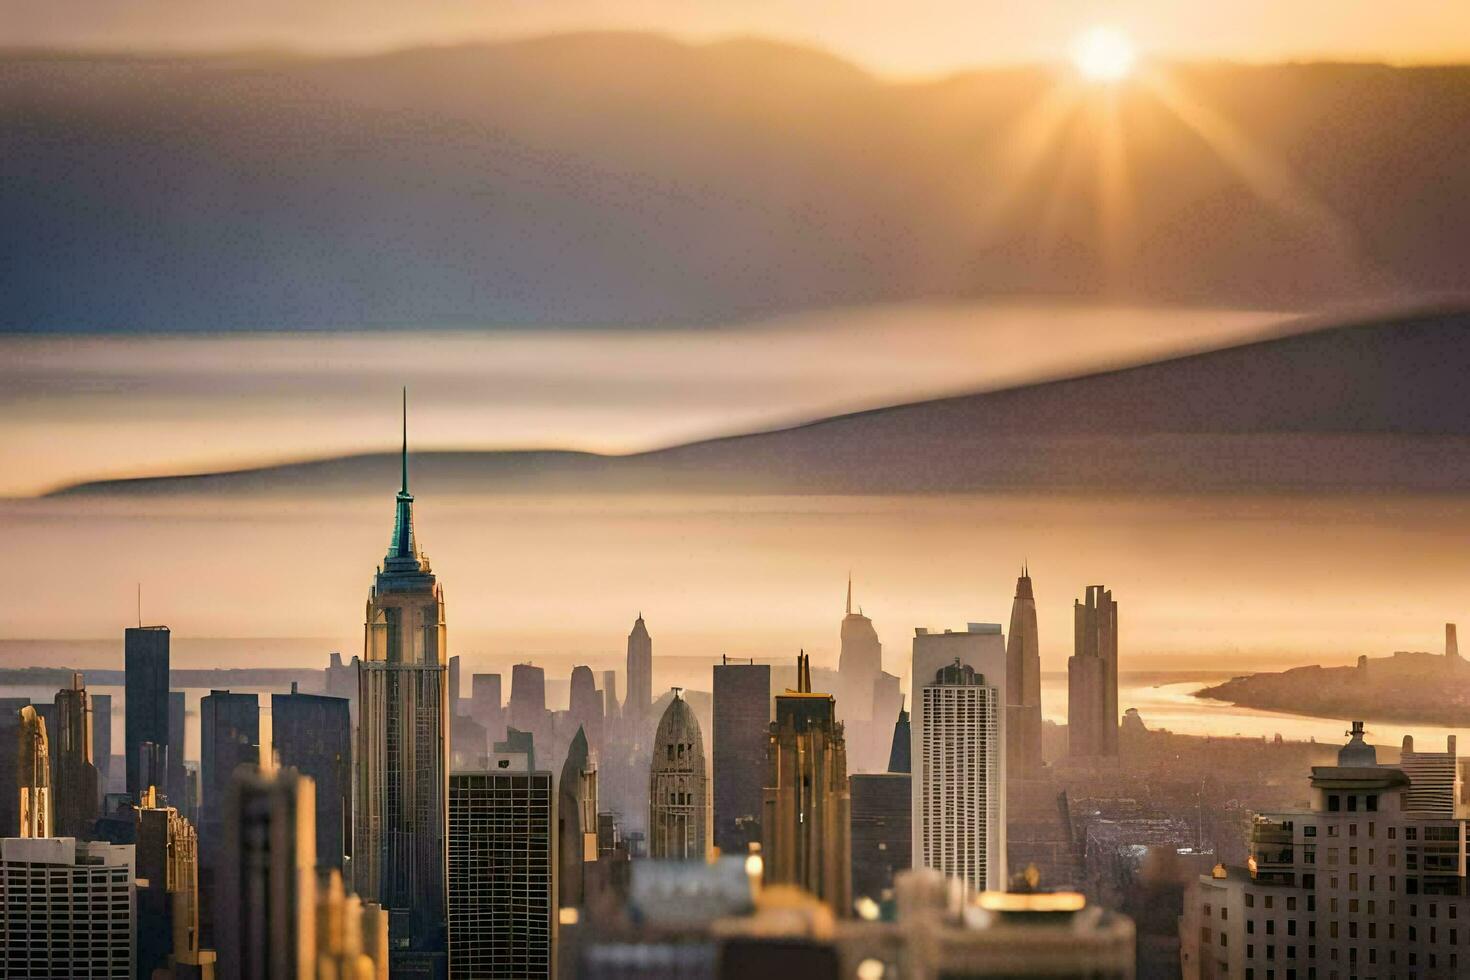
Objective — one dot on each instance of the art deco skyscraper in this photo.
(858, 664)
(806, 813)
(1092, 676)
(640, 671)
(1023, 684)
(145, 698)
(742, 726)
(168, 889)
(678, 787)
(402, 818)
(76, 776)
(33, 774)
(958, 754)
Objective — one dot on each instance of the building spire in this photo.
(403, 552)
(849, 593)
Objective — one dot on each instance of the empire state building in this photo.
(401, 828)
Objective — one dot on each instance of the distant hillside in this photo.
(623, 178)
(1363, 407)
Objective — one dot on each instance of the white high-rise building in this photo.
(958, 746)
(1434, 780)
(66, 908)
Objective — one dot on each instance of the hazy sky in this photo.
(79, 408)
(912, 37)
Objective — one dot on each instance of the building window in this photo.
(1372, 801)
(1291, 903)
(1334, 803)
(1250, 900)
(1310, 830)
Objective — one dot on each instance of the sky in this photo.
(917, 37)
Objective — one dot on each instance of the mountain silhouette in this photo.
(599, 179)
(1367, 406)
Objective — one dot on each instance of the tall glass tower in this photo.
(400, 841)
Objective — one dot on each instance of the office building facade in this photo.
(145, 698)
(312, 733)
(882, 832)
(229, 736)
(66, 908)
(742, 726)
(958, 754)
(502, 871)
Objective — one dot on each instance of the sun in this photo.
(1103, 54)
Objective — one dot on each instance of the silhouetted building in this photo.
(882, 831)
(900, 757)
(576, 819)
(66, 908)
(959, 754)
(640, 671)
(402, 754)
(502, 871)
(174, 780)
(517, 742)
(313, 734)
(611, 708)
(453, 687)
(33, 775)
(101, 741)
(145, 698)
(584, 708)
(528, 699)
(168, 891)
(1092, 677)
(468, 744)
(1023, 684)
(742, 727)
(486, 706)
(805, 820)
(859, 663)
(229, 736)
(678, 790)
(76, 782)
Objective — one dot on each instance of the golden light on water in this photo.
(1104, 54)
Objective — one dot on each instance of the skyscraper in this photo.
(76, 776)
(900, 757)
(145, 697)
(313, 734)
(168, 888)
(611, 707)
(33, 775)
(502, 871)
(678, 791)
(576, 820)
(640, 671)
(585, 705)
(882, 831)
(229, 736)
(486, 705)
(528, 699)
(805, 825)
(1092, 676)
(742, 726)
(1023, 684)
(10, 765)
(73, 904)
(265, 902)
(402, 758)
(102, 740)
(174, 780)
(961, 775)
(958, 754)
(858, 664)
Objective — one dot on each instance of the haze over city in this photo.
(868, 491)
